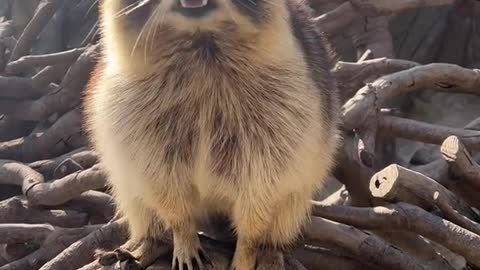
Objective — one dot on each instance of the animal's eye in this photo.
(137, 12)
(252, 8)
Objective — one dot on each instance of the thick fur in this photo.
(232, 113)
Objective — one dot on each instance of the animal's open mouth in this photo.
(193, 3)
(194, 8)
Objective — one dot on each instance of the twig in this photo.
(29, 61)
(340, 197)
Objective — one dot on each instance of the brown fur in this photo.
(236, 117)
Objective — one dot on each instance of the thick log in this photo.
(396, 183)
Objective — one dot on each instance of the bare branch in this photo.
(84, 157)
(425, 132)
(83, 251)
(64, 135)
(460, 161)
(45, 11)
(16, 210)
(444, 77)
(453, 215)
(377, 7)
(354, 75)
(57, 240)
(29, 61)
(67, 188)
(64, 98)
(408, 218)
(361, 245)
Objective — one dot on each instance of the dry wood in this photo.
(65, 97)
(64, 135)
(333, 22)
(16, 210)
(366, 143)
(439, 171)
(460, 161)
(356, 243)
(453, 215)
(405, 217)
(82, 156)
(414, 245)
(396, 183)
(95, 203)
(340, 197)
(376, 7)
(67, 188)
(42, 123)
(55, 240)
(43, 14)
(53, 193)
(354, 75)
(314, 259)
(29, 61)
(425, 132)
(82, 252)
(444, 77)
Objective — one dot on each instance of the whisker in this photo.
(95, 2)
(132, 7)
(140, 36)
(159, 21)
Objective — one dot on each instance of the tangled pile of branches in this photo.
(56, 211)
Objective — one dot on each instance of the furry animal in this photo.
(202, 107)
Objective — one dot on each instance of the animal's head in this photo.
(147, 27)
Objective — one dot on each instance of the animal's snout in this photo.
(194, 8)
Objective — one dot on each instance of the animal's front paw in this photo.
(188, 256)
